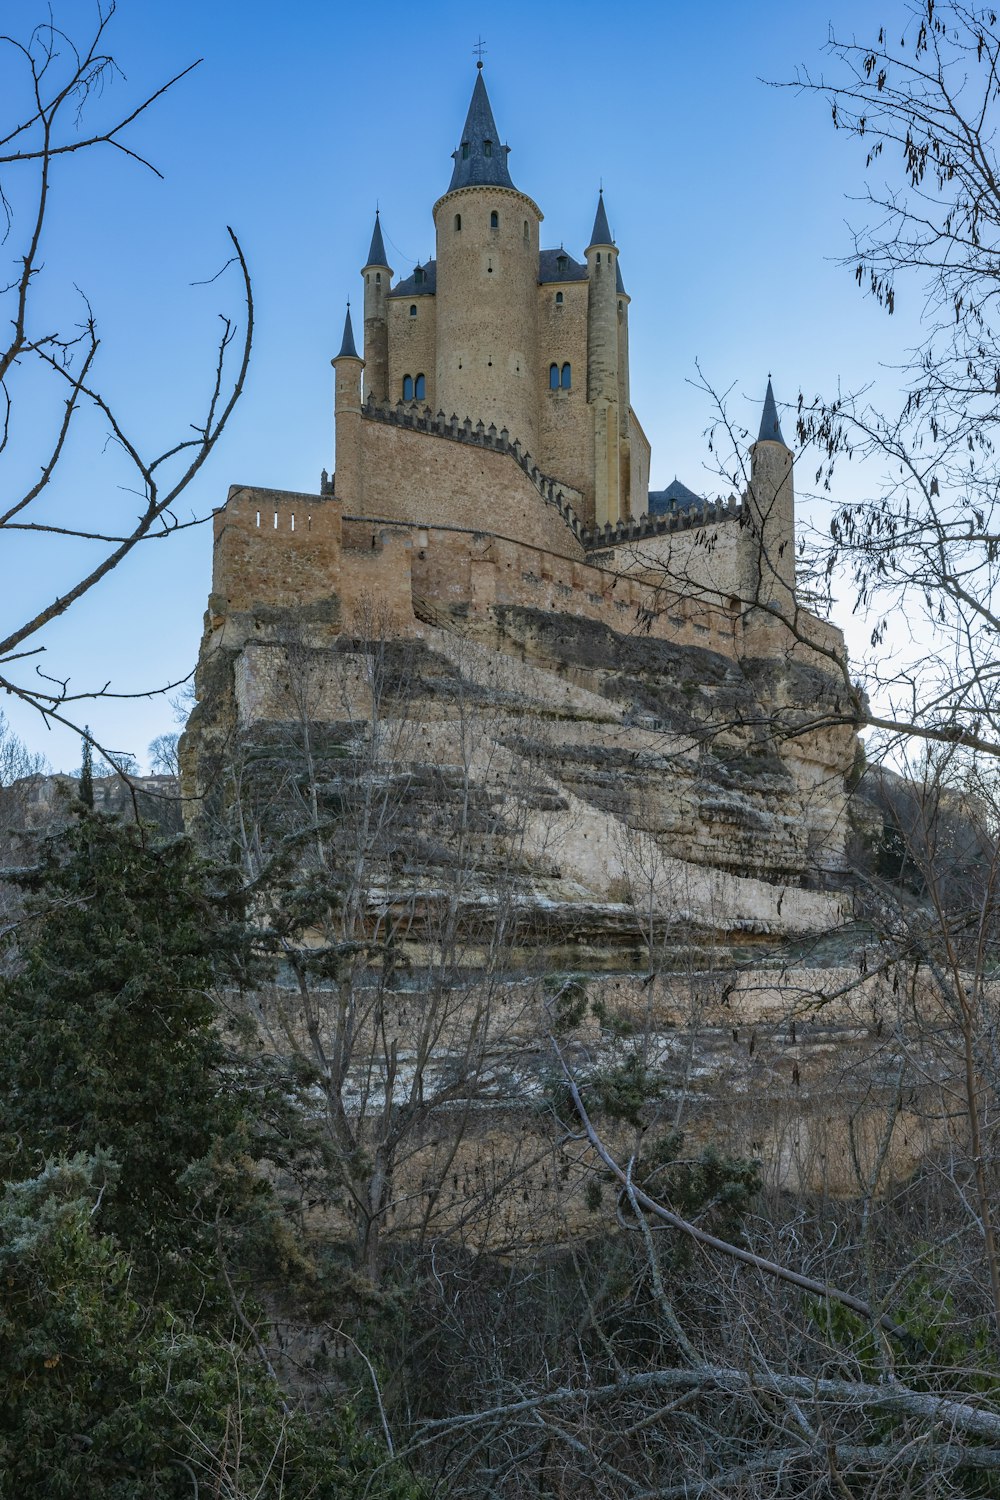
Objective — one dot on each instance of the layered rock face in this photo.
(624, 779)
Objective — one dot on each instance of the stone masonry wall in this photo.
(458, 485)
(413, 345)
(565, 422)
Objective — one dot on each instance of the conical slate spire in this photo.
(770, 427)
(348, 349)
(481, 159)
(376, 254)
(602, 230)
(619, 284)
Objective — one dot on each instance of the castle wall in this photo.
(273, 548)
(487, 279)
(640, 454)
(565, 426)
(701, 560)
(416, 477)
(413, 346)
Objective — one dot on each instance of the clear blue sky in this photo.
(728, 199)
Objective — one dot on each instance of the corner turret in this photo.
(767, 537)
(603, 368)
(348, 365)
(377, 274)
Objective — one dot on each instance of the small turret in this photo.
(767, 539)
(377, 274)
(603, 366)
(348, 365)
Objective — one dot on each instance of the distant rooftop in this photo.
(675, 497)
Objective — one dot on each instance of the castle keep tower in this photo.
(487, 279)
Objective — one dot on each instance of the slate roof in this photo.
(675, 497)
(619, 284)
(770, 427)
(602, 229)
(347, 344)
(548, 267)
(412, 288)
(376, 254)
(477, 169)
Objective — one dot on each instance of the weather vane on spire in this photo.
(479, 49)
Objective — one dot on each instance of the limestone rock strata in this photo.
(625, 787)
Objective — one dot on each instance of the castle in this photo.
(491, 489)
(523, 351)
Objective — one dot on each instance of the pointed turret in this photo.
(766, 540)
(619, 284)
(481, 159)
(348, 365)
(376, 253)
(604, 350)
(377, 275)
(770, 427)
(602, 230)
(348, 349)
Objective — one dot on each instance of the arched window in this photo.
(598, 257)
(458, 221)
(525, 229)
(378, 278)
(413, 309)
(566, 377)
(367, 278)
(419, 388)
(407, 387)
(494, 220)
(553, 377)
(487, 148)
(559, 299)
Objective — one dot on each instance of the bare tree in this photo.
(57, 105)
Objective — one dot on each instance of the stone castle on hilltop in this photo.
(504, 346)
(490, 505)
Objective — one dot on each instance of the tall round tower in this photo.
(767, 537)
(377, 275)
(603, 390)
(487, 279)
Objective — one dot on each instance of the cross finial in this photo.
(479, 49)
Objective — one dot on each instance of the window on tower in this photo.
(419, 388)
(553, 377)
(413, 309)
(465, 151)
(494, 220)
(407, 387)
(566, 377)
(487, 148)
(559, 299)
(458, 221)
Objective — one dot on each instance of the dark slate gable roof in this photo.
(548, 267)
(410, 287)
(477, 169)
(675, 497)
